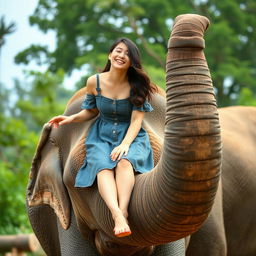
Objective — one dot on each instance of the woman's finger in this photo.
(112, 155)
(118, 152)
(112, 152)
(64, 121)
(52, 121)
(121, 154)
(57, 118)
(115, 155)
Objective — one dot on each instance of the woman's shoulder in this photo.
(91, 84)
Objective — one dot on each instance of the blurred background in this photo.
(48, 48)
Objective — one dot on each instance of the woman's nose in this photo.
(121, 54)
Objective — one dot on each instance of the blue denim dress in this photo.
(107, 132)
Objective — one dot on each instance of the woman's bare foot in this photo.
(121, 226)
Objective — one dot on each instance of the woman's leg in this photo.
(125, 183)
(108, 191)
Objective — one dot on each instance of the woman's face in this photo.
(119, 57)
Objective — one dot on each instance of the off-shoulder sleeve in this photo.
(146, 107)
(89, 102)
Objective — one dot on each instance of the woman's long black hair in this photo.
(141, 87)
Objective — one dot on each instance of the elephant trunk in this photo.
(174, 199)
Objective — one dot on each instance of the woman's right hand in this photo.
(60, 120)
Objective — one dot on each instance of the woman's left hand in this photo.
(119, 151)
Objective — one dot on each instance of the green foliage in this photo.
(41, 97)
(157, 75)
(16, 147)
(247, 98)
(34, 52)
(4, 99)
(5, 30)
(85, 29)
(228, 41)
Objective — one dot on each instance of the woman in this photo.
(116, 145)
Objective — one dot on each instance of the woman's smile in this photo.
(119, 61)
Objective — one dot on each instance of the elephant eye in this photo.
(52, 141)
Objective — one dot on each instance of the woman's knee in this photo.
(124, 163)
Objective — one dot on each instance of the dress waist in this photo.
(114, 119)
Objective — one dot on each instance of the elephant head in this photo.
(174, 199)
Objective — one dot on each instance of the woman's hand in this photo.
(119, 151)
(60, 120)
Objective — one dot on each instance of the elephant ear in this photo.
(46, 179)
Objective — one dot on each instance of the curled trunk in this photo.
(174, 199)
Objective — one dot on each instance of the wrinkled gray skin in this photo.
(183, 195)
(72, 243)
(230, 227)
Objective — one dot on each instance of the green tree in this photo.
(5, 30)
(85, 29)
(17, 145)
(230, 44)
(4, 99)
(41, 98)
(23, 110)
(246, 97)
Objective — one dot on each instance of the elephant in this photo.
(231, 226)
(176, 200)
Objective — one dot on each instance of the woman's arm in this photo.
(134, 128)
(132, 132)
(83, 115)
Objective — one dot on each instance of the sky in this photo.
(18, 11)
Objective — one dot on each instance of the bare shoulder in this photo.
(91, 85)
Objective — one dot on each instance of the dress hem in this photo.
(115, 164)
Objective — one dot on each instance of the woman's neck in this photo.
(117, 76)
